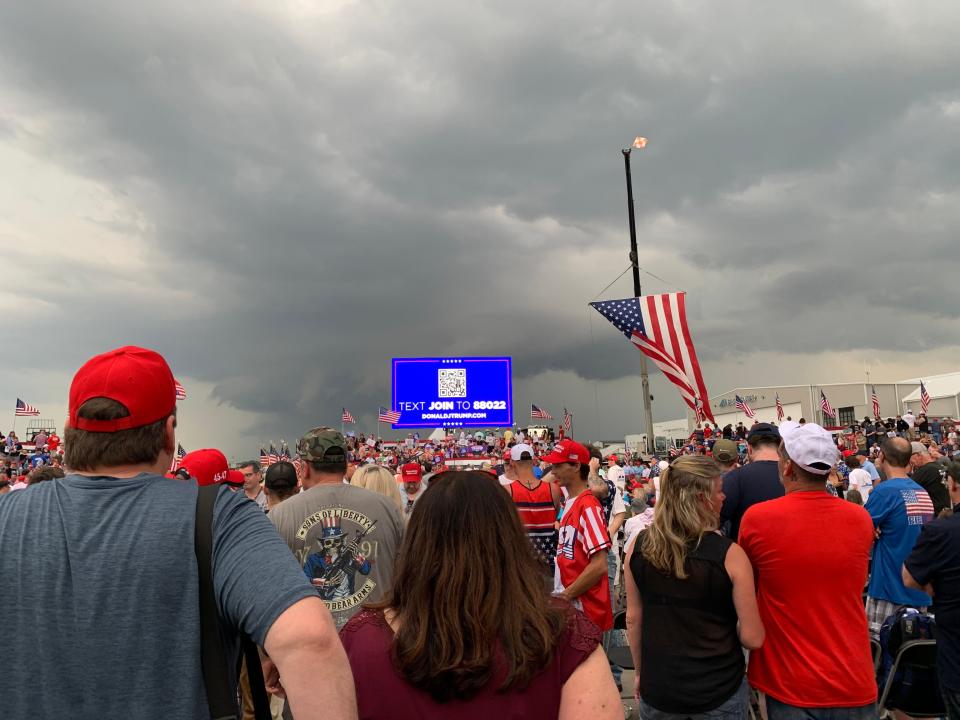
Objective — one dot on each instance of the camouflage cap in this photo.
(322, 444)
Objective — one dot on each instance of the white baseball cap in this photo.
(809, 446)
(516, 452)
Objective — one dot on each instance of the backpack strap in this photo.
(221, 694)
(221, 698)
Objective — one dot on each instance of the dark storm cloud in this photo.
(321, 193)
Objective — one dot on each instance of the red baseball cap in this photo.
(234, 478)
(411, 472)
(567, 451)
(208, 467)
(137, 378)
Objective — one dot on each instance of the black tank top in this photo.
(691, 660)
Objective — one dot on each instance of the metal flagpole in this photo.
(634, 261)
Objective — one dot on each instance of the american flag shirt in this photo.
(583, 534)
(899, 508)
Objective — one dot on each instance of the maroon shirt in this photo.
(383, 694)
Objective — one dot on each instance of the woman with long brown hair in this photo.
(469, 630)
(690, 602)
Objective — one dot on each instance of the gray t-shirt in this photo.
(346, 539)
(99, 576)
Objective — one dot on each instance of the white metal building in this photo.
(850, 401)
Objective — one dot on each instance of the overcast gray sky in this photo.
(280, 196)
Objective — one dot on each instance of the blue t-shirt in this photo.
(899, 508)
(935, 559)
(101, 575)
(872, 469)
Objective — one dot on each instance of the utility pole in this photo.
(635, 262)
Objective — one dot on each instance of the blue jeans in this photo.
(611, 639)
(777, 710)
(736, 708)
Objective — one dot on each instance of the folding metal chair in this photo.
(918, 688)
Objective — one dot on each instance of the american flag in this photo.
(178, 392)
(175, 465)
(284, 450)
(918, 505)
(567, 420)
(924, 398)
(264, 458)
(346, 417)
(779, 409)
(274, 455)
(875, 401)
(25, 410)
(388, 416)
(297, 463)
(825, 405)
(743, 407)
(657, 326)
(539, 413)
(698, 411)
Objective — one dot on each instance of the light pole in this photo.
(639, 143)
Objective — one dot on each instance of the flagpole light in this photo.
(638, 143)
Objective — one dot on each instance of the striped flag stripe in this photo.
(388, 416)
(25, 409)
(669, 310)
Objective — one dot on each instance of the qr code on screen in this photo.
(452, 383)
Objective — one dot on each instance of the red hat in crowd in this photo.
(567, 451)
(411, 472)
(137, 378)
(208, 467)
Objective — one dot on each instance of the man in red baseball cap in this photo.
(113, 543)
(581, 574)
(210, 467)
(411, 475)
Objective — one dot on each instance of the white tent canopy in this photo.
(939, 386)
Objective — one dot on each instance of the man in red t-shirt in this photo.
(810, 553)
(581, 575)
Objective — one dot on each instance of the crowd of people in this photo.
(372, 579)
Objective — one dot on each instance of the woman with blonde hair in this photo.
(690, 602)
(380, 480)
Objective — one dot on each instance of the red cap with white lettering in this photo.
(208, 467)
(567, 451)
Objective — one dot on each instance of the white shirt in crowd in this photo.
(909, 419)
(860, 480)
(635, 524)
(615, 475)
